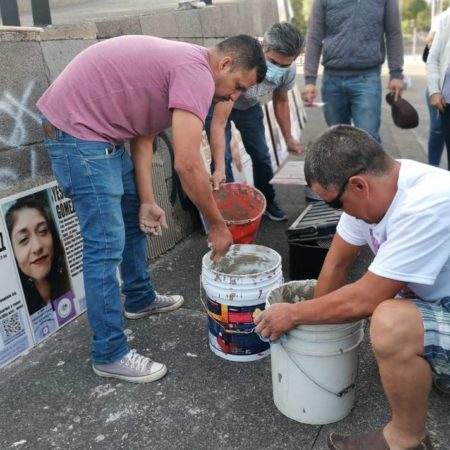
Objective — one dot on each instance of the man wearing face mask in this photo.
(282, 44)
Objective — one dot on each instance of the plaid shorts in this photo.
(436, 322)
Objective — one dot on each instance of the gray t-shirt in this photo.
(252, 96)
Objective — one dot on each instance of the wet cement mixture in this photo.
(292, 292)
(241, 261)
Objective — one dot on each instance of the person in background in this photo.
(351, 38)
(38, 251)
(436, 140)
(438, 76)
(282, 44)
(92, 108)
(401, 209)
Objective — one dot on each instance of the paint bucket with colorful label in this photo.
(242, 207)
(234, 287)
(314, 367)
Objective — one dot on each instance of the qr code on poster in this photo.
(10, 326)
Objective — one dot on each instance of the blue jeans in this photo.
(251, 126)
(354, 99)
(99, 178)
(436, 136)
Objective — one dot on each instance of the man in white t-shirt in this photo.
(401, 209)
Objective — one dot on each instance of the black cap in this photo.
(403, 113)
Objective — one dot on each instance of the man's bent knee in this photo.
(396, 327)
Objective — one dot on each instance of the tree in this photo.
(411, 11)
(299, 17)
(412, 8)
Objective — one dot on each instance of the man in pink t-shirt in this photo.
(130, 88)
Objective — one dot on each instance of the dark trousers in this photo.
(445, 118)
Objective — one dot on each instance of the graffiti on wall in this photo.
(17, 110)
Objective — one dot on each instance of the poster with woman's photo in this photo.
(44, 236)
(15, 332)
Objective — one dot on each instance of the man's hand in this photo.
(217, 178)
(294, 146)
(438, 101)
(220, 240)
(430, 38)
(151, 218)
(275, 321)
(309, 94)
(396, 86)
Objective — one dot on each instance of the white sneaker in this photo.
(133, 367)
(162, 303)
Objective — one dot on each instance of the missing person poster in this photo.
(43, 233)
(73, 243)
(15, 333)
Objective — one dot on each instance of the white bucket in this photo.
(236, 286)
(314, 370)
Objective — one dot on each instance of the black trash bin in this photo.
(309, 239)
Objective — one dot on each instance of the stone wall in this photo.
(31, 59)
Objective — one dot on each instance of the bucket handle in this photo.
(311, 378)
(226, 330)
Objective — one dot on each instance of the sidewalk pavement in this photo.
(50, 398)
(95, 10)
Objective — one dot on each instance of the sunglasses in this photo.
(336, 202)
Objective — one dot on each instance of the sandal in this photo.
(369, 441)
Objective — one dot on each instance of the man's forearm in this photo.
(394, 39)
(336, 267)
(217, 147)
(195, 181)
(282, 114)
(217, 137)
(433, 66)
(142, 155)
(316, 31)
(330, 279)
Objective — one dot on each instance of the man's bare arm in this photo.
(151, 216)
(335, 269)
(217, 142)
(187, 130)
(283, 116)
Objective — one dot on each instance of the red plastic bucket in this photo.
(242, 207)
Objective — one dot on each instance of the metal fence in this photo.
(40, 10)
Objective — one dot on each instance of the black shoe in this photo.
(441, 386)
(275, 212)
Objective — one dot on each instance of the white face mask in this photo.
(274, 72)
